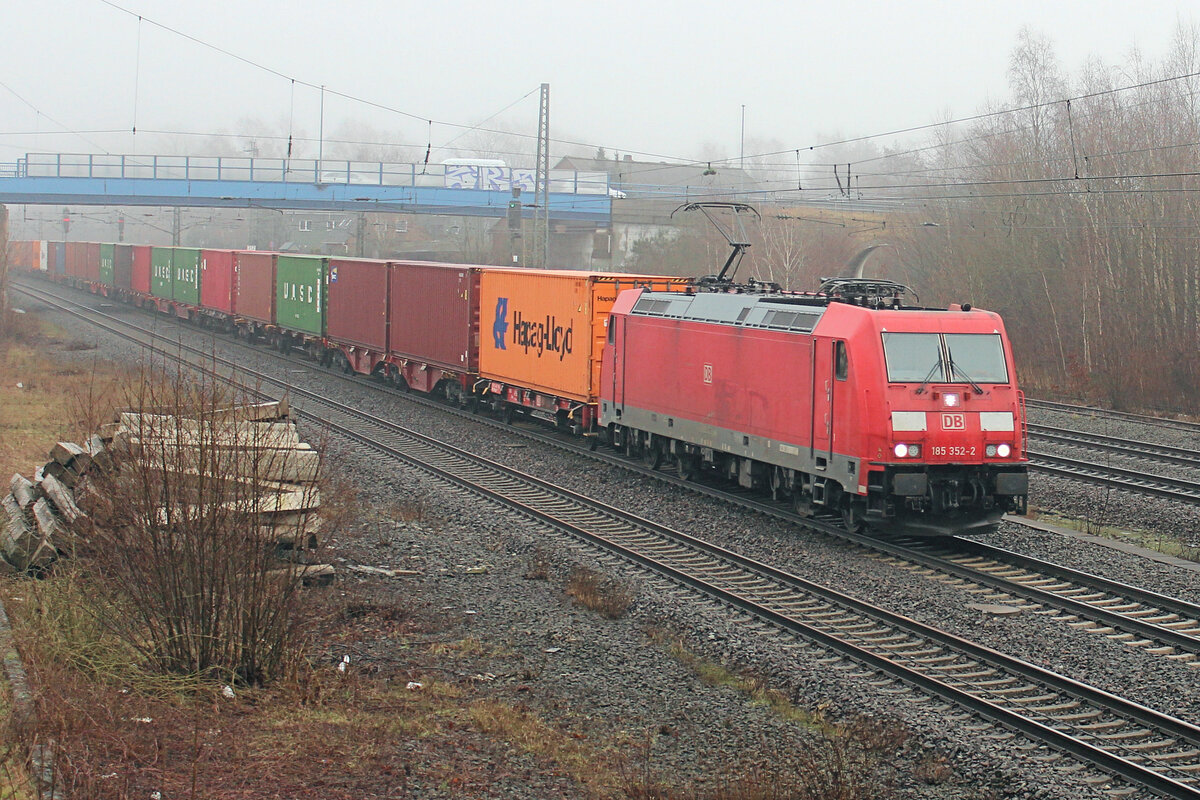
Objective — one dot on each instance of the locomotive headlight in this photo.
(914, 450)
(990, 451)
(1003, 450)
(907, 450)
(950, 399)
(901, 450)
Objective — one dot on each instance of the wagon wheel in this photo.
(508, 415)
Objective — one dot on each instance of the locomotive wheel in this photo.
(631, 448)
(852, 517)
(687, 467)
(802, 503)
(652, 457)
(776, 483)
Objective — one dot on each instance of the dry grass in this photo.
(1156, 540)
(39, 411)
(46, 407)
(599, 593)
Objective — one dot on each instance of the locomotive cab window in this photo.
(841, 361)
(945, 358)
(912, 356)
(976, 357)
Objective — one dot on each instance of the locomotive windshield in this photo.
(911, 356)
(945, 358)
(977, 357)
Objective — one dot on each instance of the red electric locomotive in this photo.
(898, 418)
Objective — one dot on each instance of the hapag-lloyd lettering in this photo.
(543, 336)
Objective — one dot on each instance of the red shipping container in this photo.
(91, 268)
(74, 259)
(435, 314)
(56, 257)
(357, 309)
(140, 279)
(123, 266)
(23, 255)
(216, 280)
(254, 285)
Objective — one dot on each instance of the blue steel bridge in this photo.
(276, 183)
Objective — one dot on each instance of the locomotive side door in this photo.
(616, 341)
(822, 401)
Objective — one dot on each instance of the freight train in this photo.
(845, 401)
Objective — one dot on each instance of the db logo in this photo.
(708, 373)
(953, 422)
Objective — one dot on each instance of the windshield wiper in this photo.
(954, 368)
(929, 375)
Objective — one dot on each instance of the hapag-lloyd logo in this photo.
(538, 335)
(543, 335)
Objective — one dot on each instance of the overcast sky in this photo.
(662, 77)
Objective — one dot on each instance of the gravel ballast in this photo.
(610, 674)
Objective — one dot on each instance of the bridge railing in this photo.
(299, 170)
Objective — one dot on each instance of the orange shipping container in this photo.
(545, 329)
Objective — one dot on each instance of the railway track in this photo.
(1162, 625)
(1178, 489)
(1143, 746)
(1132, 448)
(1145, 419)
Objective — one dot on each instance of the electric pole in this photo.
(541, 236)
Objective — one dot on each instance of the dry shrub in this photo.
(599, 593)
(185, 572)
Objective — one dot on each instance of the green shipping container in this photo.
(106, 264)
(300, 294)
(160, 272)
(185, 271)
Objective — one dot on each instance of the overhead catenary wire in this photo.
(345, 95)
(859, 187)
(812, 147)
(41, 113)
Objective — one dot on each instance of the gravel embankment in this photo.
(1076, 499)
(610, 674)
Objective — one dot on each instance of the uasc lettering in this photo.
(543, 335)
